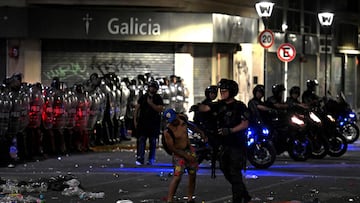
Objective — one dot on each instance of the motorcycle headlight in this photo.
(249, 132)
(314, 117)
(265, 131)
(331, 118)
(352, 115)
(250, 141)
(297, 120)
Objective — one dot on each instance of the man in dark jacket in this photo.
(147, 119)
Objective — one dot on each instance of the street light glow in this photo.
(264, 9)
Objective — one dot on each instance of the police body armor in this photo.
(59, 110)
(70, 108)
(47, 112)
(5, 110)
(125, 94)
(132, 101)
(19, 117)
(82, 111)
(165, 94)
(25, 107)
(180, 98)
(94, 108)
(173, 94)
(110, 102)
(36, 104)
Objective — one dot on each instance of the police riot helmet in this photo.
(55, 83)
(211, 89)
(230, 85)
(311, 84)
(154, 84)
(259, 88)
(295, 90)
(277, 89)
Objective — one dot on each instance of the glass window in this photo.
(276, 20)
(293, 20)
(310, 22)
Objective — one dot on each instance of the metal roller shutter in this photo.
(75, 61)
(202, 70)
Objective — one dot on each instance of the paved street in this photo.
(112, 170)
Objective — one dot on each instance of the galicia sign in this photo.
(286, 52)
(133, 27)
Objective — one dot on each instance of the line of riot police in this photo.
(38, 120)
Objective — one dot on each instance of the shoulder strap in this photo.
(171, 133)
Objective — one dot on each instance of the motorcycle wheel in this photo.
(337, 146)
(320, 146)
(351, 132)
(261, 155)
(300, 149)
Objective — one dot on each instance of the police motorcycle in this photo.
(287, 129)
(260, 151)
(337, 142)
(345, 117)
(313, 129)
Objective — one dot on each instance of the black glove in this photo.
(224, 131)
(194, 108)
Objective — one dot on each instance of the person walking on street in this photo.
(183, 154)
(147, 120)
(232, 121)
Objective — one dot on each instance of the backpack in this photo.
(163, 141)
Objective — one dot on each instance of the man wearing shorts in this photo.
(183, 153)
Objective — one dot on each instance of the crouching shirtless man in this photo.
(183, 154)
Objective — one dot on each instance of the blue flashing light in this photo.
(352, 115)
(265, 131)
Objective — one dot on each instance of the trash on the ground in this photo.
(123, 191)
(124, 201)
(20, 191)
(314, 191)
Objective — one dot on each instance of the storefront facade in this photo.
(74, 43)
(201, 48)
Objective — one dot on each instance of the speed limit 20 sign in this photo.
(266, 38)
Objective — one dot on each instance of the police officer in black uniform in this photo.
(293, 100)
(232, 120)
(206, 121)
(309, 97)
(258, 110)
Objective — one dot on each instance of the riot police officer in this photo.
(258, 109)
(276, 101)
(309, 97)
(232, 120)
